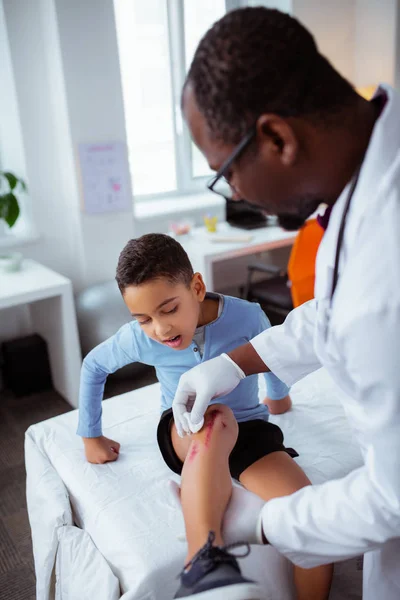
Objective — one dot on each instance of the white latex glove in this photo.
(211, 379)
(242, 519)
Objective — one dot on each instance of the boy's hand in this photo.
(100, 450)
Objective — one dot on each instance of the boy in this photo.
(177, 325)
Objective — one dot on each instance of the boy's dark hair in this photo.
(258, 60)
(153, 256)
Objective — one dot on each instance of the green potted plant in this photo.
(10, 187)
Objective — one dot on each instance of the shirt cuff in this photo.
(271, 515)
(272, 361)
(89, 432)
(276, 398)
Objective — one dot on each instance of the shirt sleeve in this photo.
(288, 349)
(113, 354)
(276, 389)
(360, 512)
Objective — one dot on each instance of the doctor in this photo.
(286, 132)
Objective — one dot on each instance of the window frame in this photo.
(186, 183)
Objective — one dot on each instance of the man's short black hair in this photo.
(153, 256)
(258, 60)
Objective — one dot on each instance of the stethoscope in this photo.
(325, 307)
(339, 243)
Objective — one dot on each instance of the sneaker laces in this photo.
(218, 554)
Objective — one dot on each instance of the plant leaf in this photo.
(2, 207)
(10, 209)
(12, 180)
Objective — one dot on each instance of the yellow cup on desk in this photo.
(210, 223)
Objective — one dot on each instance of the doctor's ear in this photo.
(279, 139)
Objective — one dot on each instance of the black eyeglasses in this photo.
(219, 184)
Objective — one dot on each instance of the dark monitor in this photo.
(243, 215)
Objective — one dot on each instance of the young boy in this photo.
(177, 324)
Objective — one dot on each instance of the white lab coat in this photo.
(360, 348)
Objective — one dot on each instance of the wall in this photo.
(89, 50)
(63, 59)
(44, 125)
(397, 48)
(12, 157)
(360, 37)
(375, 41)
(33, 142)
(333, 26)
(283, 5)
(65, 63)
(11, 154)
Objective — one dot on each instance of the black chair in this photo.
(277, 294)
(273, 294)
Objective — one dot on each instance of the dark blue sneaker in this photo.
(214, 574)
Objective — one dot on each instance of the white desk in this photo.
(203, 252)
(52, 312)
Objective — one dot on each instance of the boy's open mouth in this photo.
(174, 342)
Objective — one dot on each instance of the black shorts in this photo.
(256, 439)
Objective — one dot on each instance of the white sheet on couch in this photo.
(125, 506)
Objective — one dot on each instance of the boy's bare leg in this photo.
(206, 481)
(274, 475)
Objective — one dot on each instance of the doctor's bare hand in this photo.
(100, 450)
(211, 379)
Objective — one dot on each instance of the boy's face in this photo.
(167, 312)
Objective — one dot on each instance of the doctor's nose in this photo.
(236, 194)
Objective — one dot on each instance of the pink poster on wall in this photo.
(105, 177)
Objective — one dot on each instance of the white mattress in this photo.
(125, 506)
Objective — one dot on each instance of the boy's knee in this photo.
(221, 417)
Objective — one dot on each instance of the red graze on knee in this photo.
(193, 451)
(210, 426)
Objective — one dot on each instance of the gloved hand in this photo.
(211, 379)
(242, 519)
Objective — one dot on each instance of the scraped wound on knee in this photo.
(194, 450)
(210, 426)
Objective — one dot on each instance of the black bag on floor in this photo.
(26, 365)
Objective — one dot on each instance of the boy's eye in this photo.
(167, 312)
(144, 322)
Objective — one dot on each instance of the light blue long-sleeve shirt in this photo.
(238, 322)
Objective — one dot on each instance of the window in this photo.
(196, 22)
(11, 144)
(157, 40)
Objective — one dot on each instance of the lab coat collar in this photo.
(382, 148)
